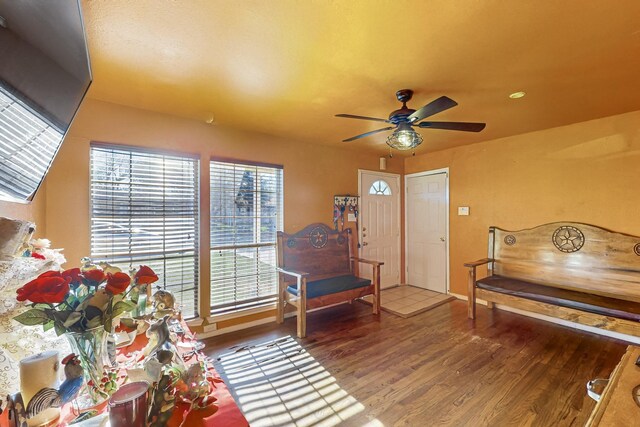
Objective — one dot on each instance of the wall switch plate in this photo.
(351, 217)
(463, 210)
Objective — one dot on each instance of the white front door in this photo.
(380, 224)
(426, 222)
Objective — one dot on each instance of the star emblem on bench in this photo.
(568, 239)
(318, 237)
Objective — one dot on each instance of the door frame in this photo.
(406, 223)
(398, 213)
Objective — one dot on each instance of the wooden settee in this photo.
(316, 269)
(571, 271)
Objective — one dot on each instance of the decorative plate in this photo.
(318, 237)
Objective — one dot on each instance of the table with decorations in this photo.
(94, 346)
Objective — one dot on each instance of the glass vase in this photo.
(91, 348)
(141, 306)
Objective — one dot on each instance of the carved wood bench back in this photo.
(569, 255)
(317, 249)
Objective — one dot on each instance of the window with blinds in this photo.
(246, 212)
(144, 211)
(28, 145)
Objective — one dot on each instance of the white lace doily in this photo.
(18, 341)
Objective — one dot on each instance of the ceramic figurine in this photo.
(52, 398)
(164, 303)
(108, 268)
(16, 414)
(153, 365)
(87, 264)
(159, 336)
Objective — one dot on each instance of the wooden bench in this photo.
(571, 271)
(316, 269)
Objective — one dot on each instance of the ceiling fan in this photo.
(405, 119)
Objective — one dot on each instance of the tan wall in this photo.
(585, 172)
(313, 174)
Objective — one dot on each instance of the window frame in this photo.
(244, 306)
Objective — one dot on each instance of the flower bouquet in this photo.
(77, 300)
(82, 303)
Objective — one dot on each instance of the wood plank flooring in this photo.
(439, 368)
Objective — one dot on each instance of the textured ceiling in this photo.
(286, 67)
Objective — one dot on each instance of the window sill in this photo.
(241, 313)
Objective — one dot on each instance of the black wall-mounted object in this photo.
(45, 73)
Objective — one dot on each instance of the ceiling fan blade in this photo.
(362, 135)
(351, 116)
(434, 107)
(463, 126)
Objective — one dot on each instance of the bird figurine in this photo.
(87, 264)
(52, 398)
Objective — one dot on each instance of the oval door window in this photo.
(380, 188)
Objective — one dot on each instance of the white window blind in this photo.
(144, 210)
(246, 212)
(28, 145)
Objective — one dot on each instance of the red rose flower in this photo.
(145, 276)
(36, 255)
(95, 276)
(47, 289)
(50, 273)
(73, 274)
(117, 283)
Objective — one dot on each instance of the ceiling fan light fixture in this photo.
(404, 138)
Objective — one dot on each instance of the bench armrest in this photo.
(471, 284)
(367, 261)
(478, 263)
(297, 274)
(301, 279)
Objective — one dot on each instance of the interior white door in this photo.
(380, 224)
(426, 206)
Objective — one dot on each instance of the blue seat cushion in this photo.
(332, 285)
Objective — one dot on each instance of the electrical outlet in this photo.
(463, 210)
(210, 327)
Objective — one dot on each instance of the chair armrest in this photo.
(367, 261)
(297, 274)
(478, 263)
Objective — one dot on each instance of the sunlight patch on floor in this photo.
(279, 383)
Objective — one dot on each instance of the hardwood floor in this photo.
(439, 368)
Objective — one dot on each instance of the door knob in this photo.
(442, 239)
(364, 243)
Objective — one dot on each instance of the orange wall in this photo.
(585, 172)
(313, 174)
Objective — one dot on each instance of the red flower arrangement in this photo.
(76, 300)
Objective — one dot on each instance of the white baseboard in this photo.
(611, 334)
